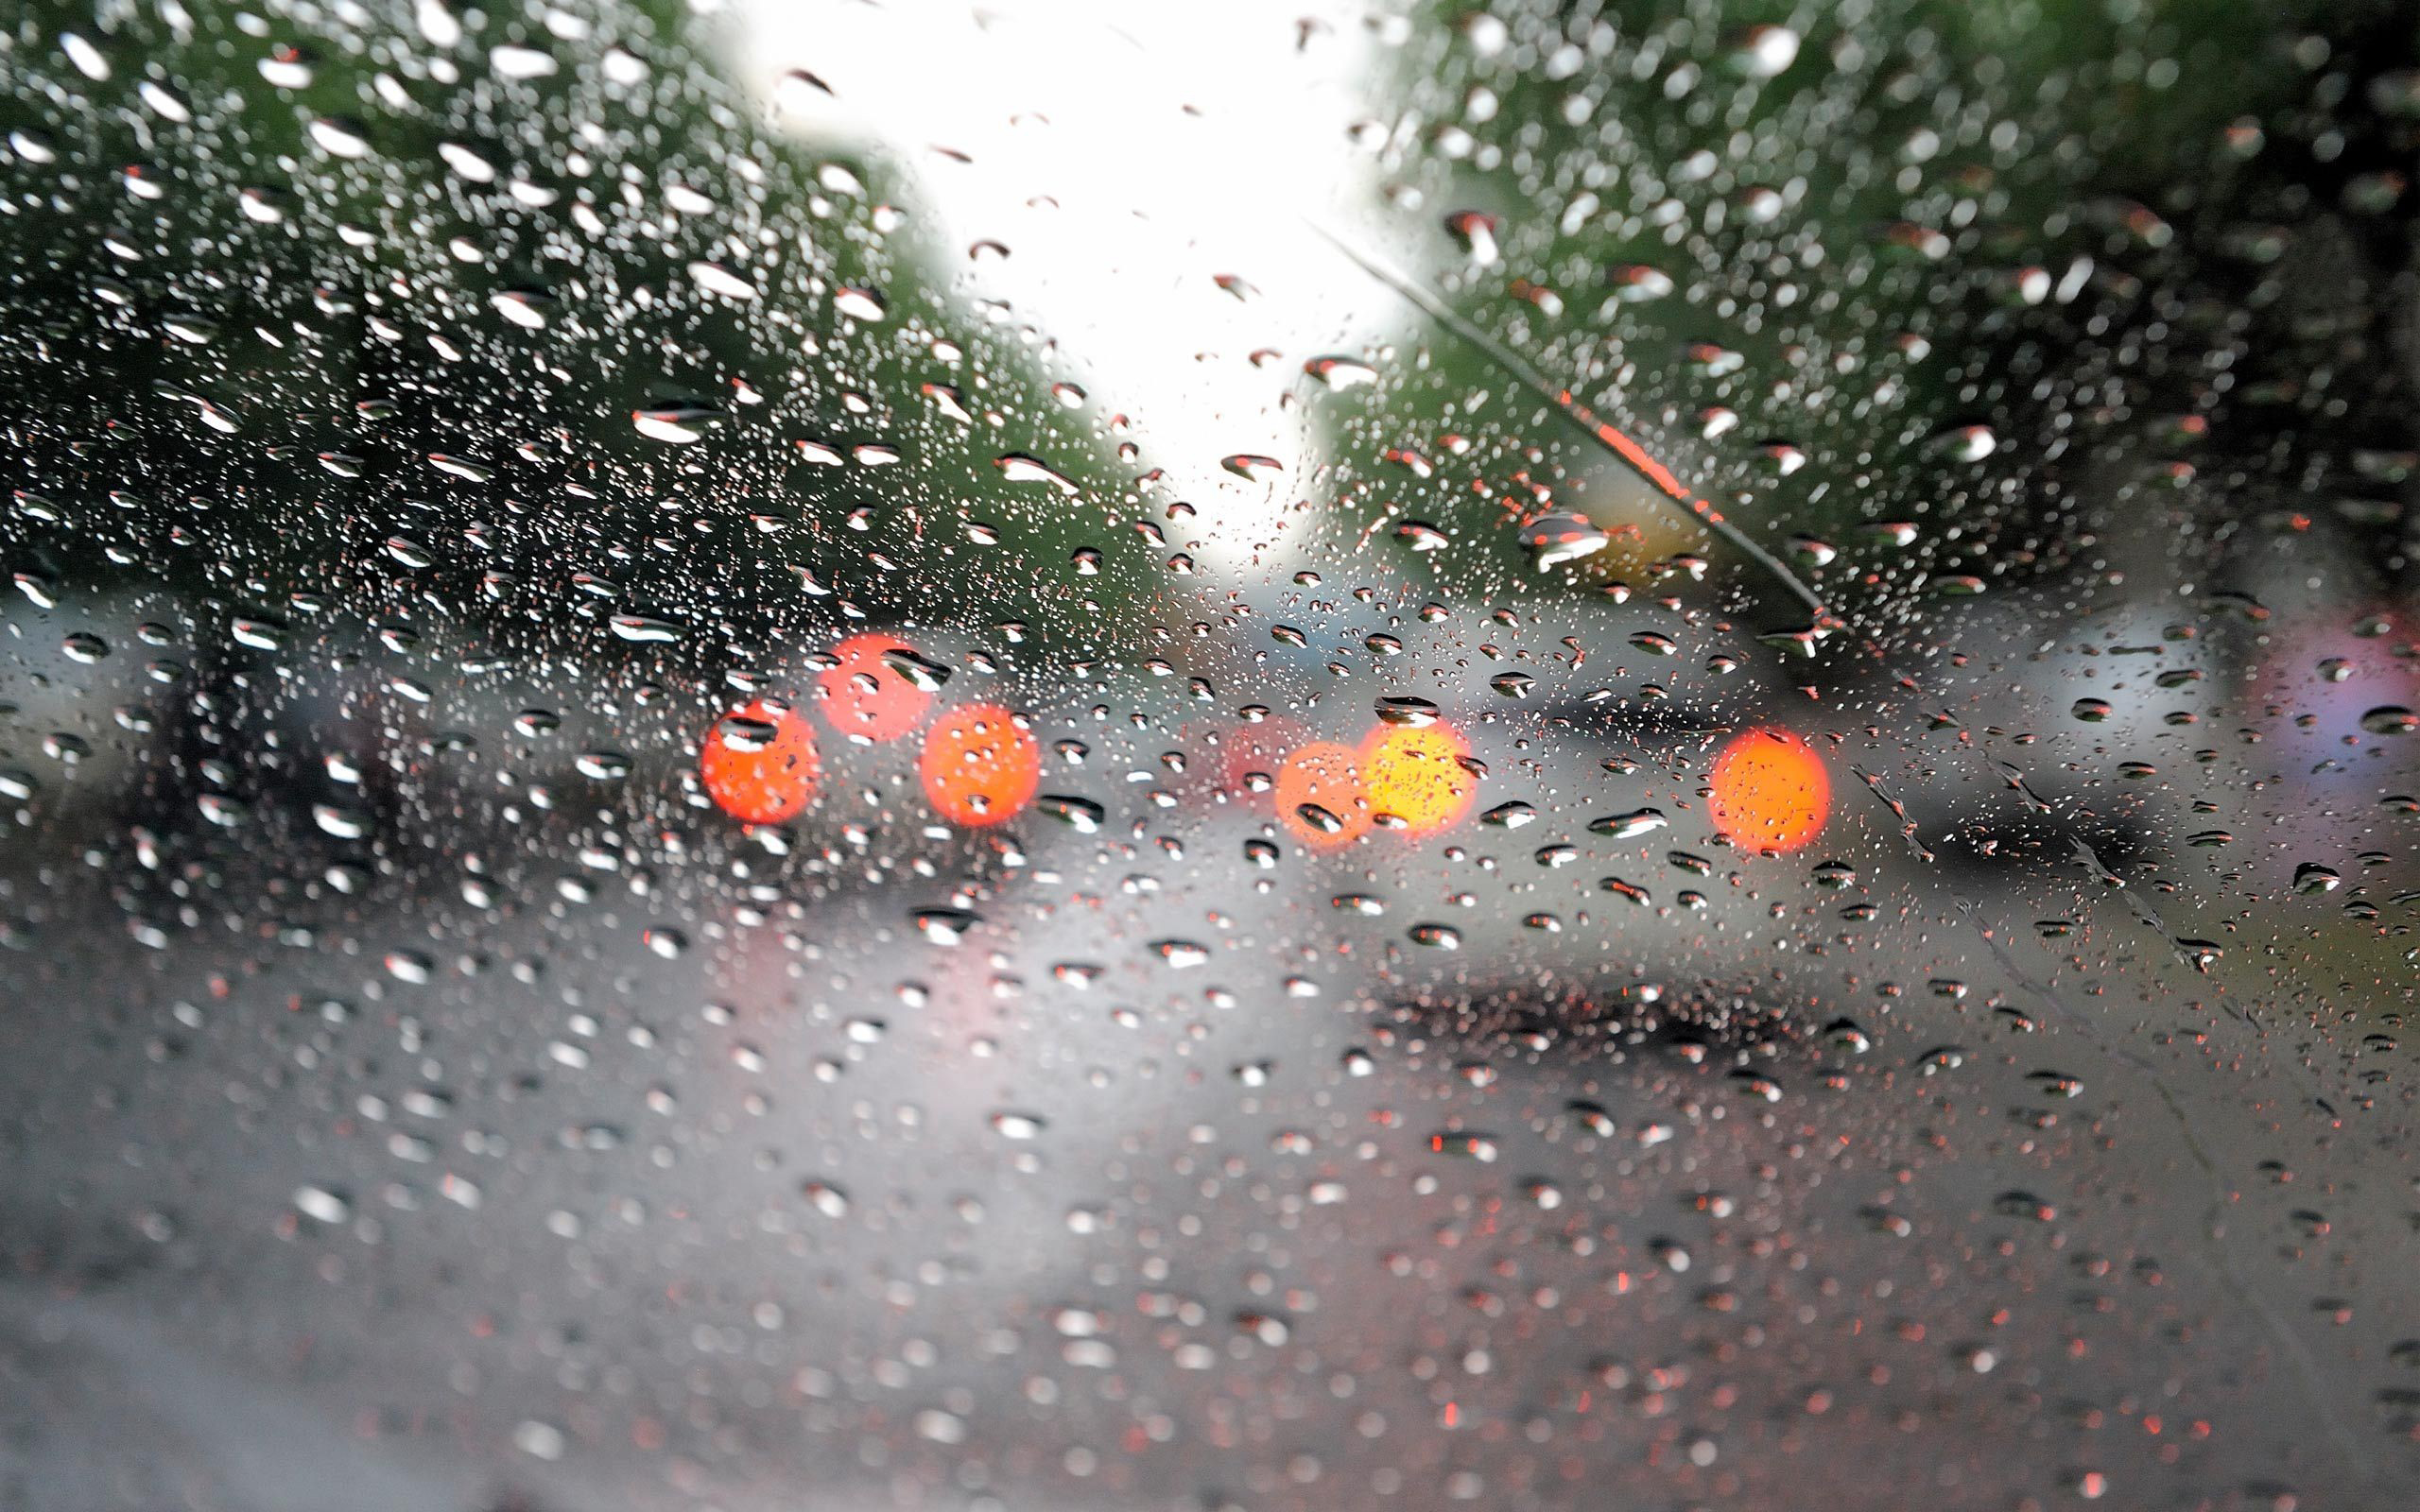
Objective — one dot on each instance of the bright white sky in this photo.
(1169, 144)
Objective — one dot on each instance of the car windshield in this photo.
(785, 753)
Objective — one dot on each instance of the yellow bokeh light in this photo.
(1415, 773)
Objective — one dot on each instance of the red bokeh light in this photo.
(861, 696)
(760, 764)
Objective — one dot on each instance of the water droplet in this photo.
(861, 304)
(1180, 955)
(1762, 52)
(943, 926)
(676, 423)
(1019, 468)
(1560, 536)
(1251, 468)
(1476, 233)
(322, 1205)
(715, 279)
(1626, 826)
(1081, 814)
(1341, 372)
(922, 673)
(1638, 284)
(515, 61)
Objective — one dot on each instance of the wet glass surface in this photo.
(769, 754)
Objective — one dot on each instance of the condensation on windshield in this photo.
(769, 754)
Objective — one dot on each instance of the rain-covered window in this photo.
(769, 754)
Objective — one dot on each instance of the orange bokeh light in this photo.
(980, 767)
(1770, 791)
(861, 696)
(760, 764)
(1327, 776)
(1416, 774)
